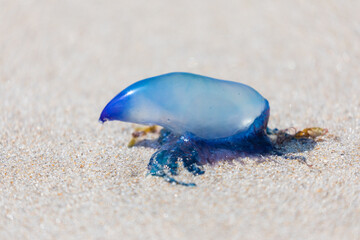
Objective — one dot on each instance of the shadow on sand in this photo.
(287, 149)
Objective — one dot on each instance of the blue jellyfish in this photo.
(204, 119)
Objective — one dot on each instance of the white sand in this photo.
(65, 176)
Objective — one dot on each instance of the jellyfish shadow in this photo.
(193, 152)
(208, 154)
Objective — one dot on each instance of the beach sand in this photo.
(63, 175)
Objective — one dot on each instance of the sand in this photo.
(65, 176)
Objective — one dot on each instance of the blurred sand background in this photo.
(65, 176)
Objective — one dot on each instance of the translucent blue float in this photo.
(204, 120)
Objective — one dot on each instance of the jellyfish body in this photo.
(204, 119)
